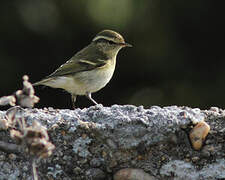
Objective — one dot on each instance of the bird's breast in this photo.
(94, 80)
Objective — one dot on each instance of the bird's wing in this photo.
(82, 61)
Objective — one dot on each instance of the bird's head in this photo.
(110, 41)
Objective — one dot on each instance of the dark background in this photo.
(177, 58)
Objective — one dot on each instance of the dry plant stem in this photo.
(34, 170)
(10, 148)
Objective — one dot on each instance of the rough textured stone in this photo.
(99, 141)
(185, 170)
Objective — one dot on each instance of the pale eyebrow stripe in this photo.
(102, 37)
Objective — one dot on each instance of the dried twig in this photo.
(23, 98)
(34, 169)
(32, 139)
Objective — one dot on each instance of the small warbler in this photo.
(90, 69)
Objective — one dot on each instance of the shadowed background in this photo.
(177, 56)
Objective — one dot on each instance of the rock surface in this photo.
(96, 142)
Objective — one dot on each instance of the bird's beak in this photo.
(126, 45)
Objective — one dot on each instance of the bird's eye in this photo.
(111, 42)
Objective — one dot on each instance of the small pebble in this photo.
(198, 134)
(12, 156)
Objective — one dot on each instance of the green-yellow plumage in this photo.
(90, 69)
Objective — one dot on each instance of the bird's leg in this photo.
(88, 95)
(73, 98)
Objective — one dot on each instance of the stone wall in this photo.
(120, 142)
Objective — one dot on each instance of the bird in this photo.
(90, 69)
